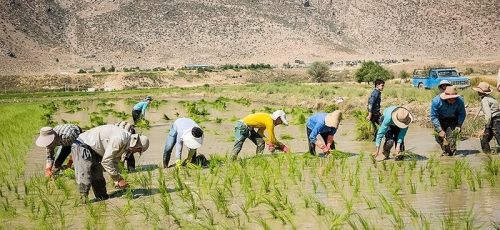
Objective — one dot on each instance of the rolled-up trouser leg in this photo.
(485, 140)
(496, 129)
(169, 146)
(311, 146)
(97, 178)
(241, 133)
(258, 141)
(391, 138)
(82, 162)
(451, 140)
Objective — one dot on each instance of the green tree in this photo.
(319, 71)
(103, 69)
(403, 74)
(370, 71)
(112, 69)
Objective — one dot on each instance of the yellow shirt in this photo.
(262, 121)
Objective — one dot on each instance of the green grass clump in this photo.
(143, 124)
(364, 128)
(286, 137)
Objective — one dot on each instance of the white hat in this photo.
(137, 140)
(47, 136)
(190, 141)
(280, 114)
(333, 119)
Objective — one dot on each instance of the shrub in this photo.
(370, 71)
(403, 74)
(468, 70)
(103, 69)
(81, 71)
(112, 69)
(319, 71)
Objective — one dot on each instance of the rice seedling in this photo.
(412, 186)
(220, 201)
(470, 221)
(262, 222)
(492, 166)
(495, 225)
(479, 178)
(364, 128)
(143, 124)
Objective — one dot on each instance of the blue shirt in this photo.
(142, 106)
(374, 101)
(442, 109)
(316, 123)
(384, 127)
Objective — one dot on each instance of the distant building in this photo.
(196, 66)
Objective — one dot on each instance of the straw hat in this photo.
(138, 140)
(190, 140)
(47, 136)
(483, 87)
(280, 114)
(333, 119)
(444, 82)
(449, 92)
(401, 117)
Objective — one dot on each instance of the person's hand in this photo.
(369, 117)
(285, 149)
(458, 129)
(121, 184)
(48, 168)
(326, 148)
(271, 148)
(442, 133)
(375, 154)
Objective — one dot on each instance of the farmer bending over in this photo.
(245, 128)
(489, 106)
(61, 135)
(395, 122)
(447, 116)
(326, 125)
(184, 131)
(139, 110)
(102, 148)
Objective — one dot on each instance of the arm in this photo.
(144, 107)
(435, 116)
(270, 132)
(487, 112)
(461, 112)
(402, 134)
(371, 100)
(382, 130)
(178, 146)
(314, 133)
(111, 157)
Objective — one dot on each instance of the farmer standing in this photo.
(490, 108)
(394, 127)
(374, 104)
(102, 148)
(61, 135)
(139, 110)
(443, 84)
(326, 125)
(245, 128)
(184, 131)
(447, 115)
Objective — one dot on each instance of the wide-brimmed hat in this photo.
(444, 82)
(333, 119)
(191, 141)
(401, 117)
(47, 136)
(449, 92)
(138, 140)
(280, 114)
(483, 87)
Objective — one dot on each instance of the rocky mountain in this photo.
(54, 36)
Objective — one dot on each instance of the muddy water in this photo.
(434, 201)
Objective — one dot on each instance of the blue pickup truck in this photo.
(428, 79)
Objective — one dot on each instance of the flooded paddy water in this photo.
(295, 191)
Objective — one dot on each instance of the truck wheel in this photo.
(421, 85)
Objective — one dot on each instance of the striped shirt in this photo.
(66, 135)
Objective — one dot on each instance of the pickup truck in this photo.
(428, 79)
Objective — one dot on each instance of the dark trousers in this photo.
(89, 171)
(489, 133)
(136, 115)
(241, 133)
(391, 139)
(375, 120)
(130, 159)
(63, 153)
(312, 146)
(448, 143)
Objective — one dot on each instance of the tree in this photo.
(112, 69)
(319, 71)
(370, 71)
(403, 74)
(103, 69)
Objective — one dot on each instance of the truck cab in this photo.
(428, 79)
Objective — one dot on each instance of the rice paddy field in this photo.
(346, 190)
